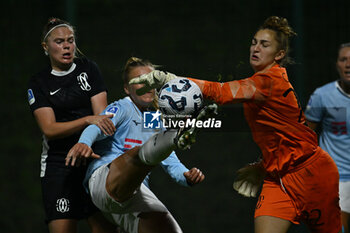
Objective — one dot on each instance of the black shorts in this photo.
(63, 193)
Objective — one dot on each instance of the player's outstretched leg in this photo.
(129, 170)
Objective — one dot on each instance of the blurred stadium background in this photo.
(205, 39)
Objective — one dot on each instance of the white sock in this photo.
(158, 147)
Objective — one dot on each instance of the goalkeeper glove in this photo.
(154, 79)
(249, 179)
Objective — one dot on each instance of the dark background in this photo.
(204, 39)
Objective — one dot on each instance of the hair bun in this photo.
(279, 24)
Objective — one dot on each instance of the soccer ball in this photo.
(180, 97)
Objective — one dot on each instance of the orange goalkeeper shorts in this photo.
(308, 194)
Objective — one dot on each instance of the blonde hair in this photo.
(283, 33)
(132, 63)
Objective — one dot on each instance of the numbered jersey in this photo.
(274, 115)
(68, 94)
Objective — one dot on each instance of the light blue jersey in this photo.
(330, 106)
(130, 133)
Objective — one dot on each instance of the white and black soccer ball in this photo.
(180, 97)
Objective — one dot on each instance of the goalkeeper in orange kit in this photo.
(300, 180)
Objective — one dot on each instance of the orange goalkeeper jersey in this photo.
(273, 113)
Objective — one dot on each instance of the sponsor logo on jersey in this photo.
(31, 98)
(136, 122)
(151, 120)
(112, 110)
(54, 92)
(62, 205)
(83, 83)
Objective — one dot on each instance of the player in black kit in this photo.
(64, 98)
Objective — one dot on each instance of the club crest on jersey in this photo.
(31, 98)
(151, 120)
(82, 81)
(62, 205)
(112, 110)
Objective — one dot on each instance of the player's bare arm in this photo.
(79, 153)
(52, 129)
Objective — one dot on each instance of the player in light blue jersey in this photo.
(329, 107)
(122, 161)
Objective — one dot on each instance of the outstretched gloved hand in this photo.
(152, 80)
